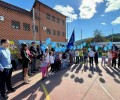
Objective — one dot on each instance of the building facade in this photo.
(17, 23)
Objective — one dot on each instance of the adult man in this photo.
(5, 68)
(114, 47)
(34, 53)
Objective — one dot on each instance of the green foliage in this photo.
(98, 37)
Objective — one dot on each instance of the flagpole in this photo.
(74, 35)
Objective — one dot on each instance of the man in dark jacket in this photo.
(34, 55)
(114, 47)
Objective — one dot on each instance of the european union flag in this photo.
(71, 41)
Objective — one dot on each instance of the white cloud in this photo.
(116, 21)
(67, 11)
(103, 23)
(112, 5)
(88, 8)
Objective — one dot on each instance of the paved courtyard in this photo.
(74, 83)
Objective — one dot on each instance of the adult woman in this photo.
(25, 62)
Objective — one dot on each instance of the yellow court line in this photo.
(45, 91)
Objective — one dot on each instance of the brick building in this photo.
(17, 23)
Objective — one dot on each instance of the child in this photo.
(81, 56)
(109, 58)
(96, 58)
(104, 55)
(60, 56)
(68, 58)
(43, 66)
(47, 59)
(64, 57)
(85, 57)
(91, 56)
(119, 59)
(57, 62)
(114, 57)
(52, 62)
(77, 56)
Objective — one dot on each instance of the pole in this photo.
(67, 31)
(34, 31)
(74, 36)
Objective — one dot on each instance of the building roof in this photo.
(37, 1)
(15, 8)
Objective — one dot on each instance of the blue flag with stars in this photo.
(71, 41)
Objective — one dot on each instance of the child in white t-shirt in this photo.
(52, 62)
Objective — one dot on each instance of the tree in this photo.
(98, 36)
(89, 40)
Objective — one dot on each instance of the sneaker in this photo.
(4, 97)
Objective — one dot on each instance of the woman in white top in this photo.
(47, 57)
(109, 58)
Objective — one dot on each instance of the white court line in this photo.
(107, 92)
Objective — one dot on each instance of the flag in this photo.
(71, 41)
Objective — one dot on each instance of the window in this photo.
(15, 24)
(26, 26)
(53, 32)
(63, 33)
(48, 31)
(58, 20)
(63, 22)
(48, 16)
(53, 18)
(58, 33)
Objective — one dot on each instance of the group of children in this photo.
(50, 59)
(57, 60)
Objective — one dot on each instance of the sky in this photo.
(85, 15)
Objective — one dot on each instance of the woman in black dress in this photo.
(25, 62)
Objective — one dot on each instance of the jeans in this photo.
(114, 62)
(103, 60)
(91, 60)
(33, 67)
(5, 78)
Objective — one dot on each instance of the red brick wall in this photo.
(50, 24)
(6, 30)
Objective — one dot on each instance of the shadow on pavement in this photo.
(101, 80)
(115, 72)
(29, 91)
(52, 81)
(108, 71)
(78, 68)
(74, 67)
(72, 76)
